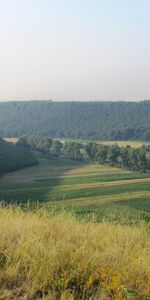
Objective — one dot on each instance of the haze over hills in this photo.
(86, 120)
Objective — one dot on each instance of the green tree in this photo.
(72, 150)
(101, 152)
(90, 149)
(113, 155)
(56, 148)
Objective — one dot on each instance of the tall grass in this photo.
(54, 256)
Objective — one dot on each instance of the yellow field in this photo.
(46, 256)
(134, 144)
(11, 140)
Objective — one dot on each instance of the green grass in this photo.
(81, 187)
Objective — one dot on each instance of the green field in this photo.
(84, 188)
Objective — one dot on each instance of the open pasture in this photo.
(84, 188)
(134, 144)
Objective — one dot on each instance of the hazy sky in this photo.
(75, 49)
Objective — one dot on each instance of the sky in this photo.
(74, 50)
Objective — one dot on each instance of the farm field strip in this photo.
(88, 182)
(134, 144)
(58, 194)
(19, 178)
(47, 172)
(99, 199)
(84, 186)
(97, 189)
(105, 184)
(46, 175)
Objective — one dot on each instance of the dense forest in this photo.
(86, 120)
(14, 157)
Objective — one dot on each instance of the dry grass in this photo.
(134, 144)
(11, 140)
(57, 257)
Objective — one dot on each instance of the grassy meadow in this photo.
(86, 189)
(134, 144)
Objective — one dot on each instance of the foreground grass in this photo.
(54, 256)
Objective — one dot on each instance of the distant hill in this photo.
(86, 120)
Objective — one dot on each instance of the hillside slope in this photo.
(88, 120)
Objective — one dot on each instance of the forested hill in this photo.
(87, 120)
(13, 157)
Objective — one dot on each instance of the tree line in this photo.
(121, 157)
(76, 120)
(13, 157)
(52, 147)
